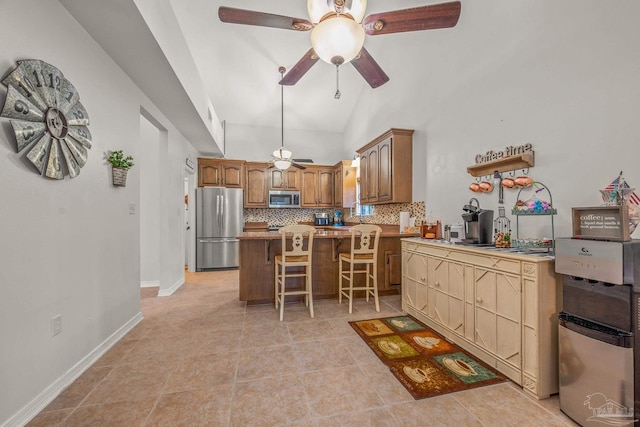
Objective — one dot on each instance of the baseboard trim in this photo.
(149, 283)
(33, 408)
(172, 289)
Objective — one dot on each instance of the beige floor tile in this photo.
(203, 407)
(131, 413)
(264, 335)
(131, 382)
(378, 417)
(442, 411)
(266, 362)
(116, 353)
(270, 402)
(310, 330)
(80, 388)
(322, 354)
(502, 405)
(338, 391)
(202, 372)
(50, 418)
(386, 384)
(214, 342)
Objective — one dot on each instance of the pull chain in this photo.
(337, 95)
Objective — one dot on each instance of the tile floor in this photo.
(202, 358)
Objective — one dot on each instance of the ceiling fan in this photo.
(282, 158)
(338, 29)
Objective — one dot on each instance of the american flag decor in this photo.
(620, 182)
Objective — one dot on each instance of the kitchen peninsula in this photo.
(258, 250)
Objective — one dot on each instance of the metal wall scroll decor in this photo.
(48, 118)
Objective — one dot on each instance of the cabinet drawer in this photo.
(507, 265)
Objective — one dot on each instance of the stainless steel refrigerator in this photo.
(219, 220)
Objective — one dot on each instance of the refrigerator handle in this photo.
(222, 209)
(218, 209)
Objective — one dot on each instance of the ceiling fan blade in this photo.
(430, 17)
(369, 69)
(250, 17)
(300, 69)
(295, 165)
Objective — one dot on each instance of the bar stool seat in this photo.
(364, 251)
(297, 247)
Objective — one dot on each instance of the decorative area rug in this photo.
(423, 361)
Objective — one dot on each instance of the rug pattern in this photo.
(424, 362)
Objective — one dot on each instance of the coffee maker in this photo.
(478, 224)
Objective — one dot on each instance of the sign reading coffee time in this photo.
(509, 151)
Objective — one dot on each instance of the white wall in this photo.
(71, 247)
(256, 144)
(563, 76)
(149, 167)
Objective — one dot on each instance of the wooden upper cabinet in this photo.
(344, 184)
(256, 189)
(284, 179)
(317, 187)
(220, 173)
(386, 168)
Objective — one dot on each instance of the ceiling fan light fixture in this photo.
(283, 154)
(337, 40)
(282, 164)
(320, 8)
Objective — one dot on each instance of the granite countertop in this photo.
(485, 250)
(325, 232)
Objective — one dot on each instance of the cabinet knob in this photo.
(422, 279)
(478, 300)
(437, 284)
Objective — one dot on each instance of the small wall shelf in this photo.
(520, 161)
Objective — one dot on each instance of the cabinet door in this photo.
(497, 312)
(209, 175)
(231, 174)
(277, 179)
(372, 175)
(455, 290)
(384, 171)
(337, 186)
(325, 188)
(414, 281)
(438, 280)
(392, 273)
(309, 195)
(364, 170)
(292, 179)
(255, 192)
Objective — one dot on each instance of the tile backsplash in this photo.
(383, 214)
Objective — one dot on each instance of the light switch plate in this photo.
(132, 208)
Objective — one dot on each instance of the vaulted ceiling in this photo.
(239, 64)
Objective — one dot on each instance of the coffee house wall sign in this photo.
(507, 152)
(47, 116)
(513, 157)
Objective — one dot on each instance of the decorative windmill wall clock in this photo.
(48, 118)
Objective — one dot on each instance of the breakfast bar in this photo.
(258, 250)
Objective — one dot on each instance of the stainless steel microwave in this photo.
(284, 199)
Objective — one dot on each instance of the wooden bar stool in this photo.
(364, 250)
(298, 255)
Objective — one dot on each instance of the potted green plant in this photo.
(120, 165)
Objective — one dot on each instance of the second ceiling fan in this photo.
(338, 29)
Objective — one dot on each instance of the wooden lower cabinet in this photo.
(256, 261)
(501, 307)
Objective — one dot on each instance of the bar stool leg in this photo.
(275, 286)
(350, 287)
(310, 294)
(282, 283)
(374, 276)
(367, 284)
(339, 279)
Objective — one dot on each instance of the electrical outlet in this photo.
(56, 325)
(132, 208)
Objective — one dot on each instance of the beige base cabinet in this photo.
(500, 306)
